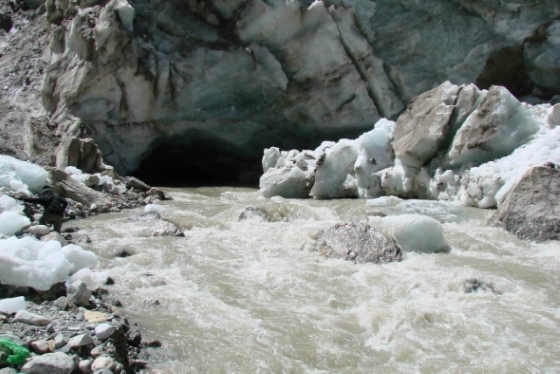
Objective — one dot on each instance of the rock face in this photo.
(154, 84)
(532, 209)
(357, 242)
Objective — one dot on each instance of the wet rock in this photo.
(474, 285)
(78, 293)
(137, 184)
(157, 226)
(532, 209)
(95, 317)
(29, 318)
(55, 363)
(358, 242)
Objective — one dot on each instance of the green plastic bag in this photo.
(17, 353)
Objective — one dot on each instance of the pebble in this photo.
(78, 293)
(29, 318)
(96, 352)
(61, 303)
(60, 341)
(103, 362)
(85, 366)
(104, 331)
(80, 340)
(40, 346)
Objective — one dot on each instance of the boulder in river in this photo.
(532, 208)
(358, 242)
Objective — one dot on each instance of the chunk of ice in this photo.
(12, 305)
(11, 222)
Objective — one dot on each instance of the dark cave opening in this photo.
(202, 163)
(506, 67)
(199, 159)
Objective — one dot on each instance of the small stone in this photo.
(80, 340)
(96, 352)
(60, 341)
(57, 362)
(104, 331)
(78, 293)
(29, 318)
(95, 317)
(40, 346)
(79, 206)
(119, 368)
(93, 207)
(3, 358)
(103, 362)
(85, 366)
(61, 303)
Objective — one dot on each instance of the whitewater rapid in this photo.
(248, 297)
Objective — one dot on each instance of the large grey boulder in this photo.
(358, 242)
(420, 130)
(85, 155)
(532, 208)
(67, 186)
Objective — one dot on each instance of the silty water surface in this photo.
(247, 297)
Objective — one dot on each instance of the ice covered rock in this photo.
(12, 305)
(78, 258)
(270, 158)
(152, 224)
(93, 280)
(495, 129)
(155, 208)
(358, 242)
(31, 263)
(9, 204)
(404, 181)
(21, 176)
(11, 222)
(376, 154)
(413, 232)
(335, 176)
(288, 182)
(424, 125)
(532, 208)
(487, 185)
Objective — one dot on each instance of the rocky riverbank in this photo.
(70, 330)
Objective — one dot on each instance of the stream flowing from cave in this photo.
(246, 296)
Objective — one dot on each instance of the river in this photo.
(248, 297)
